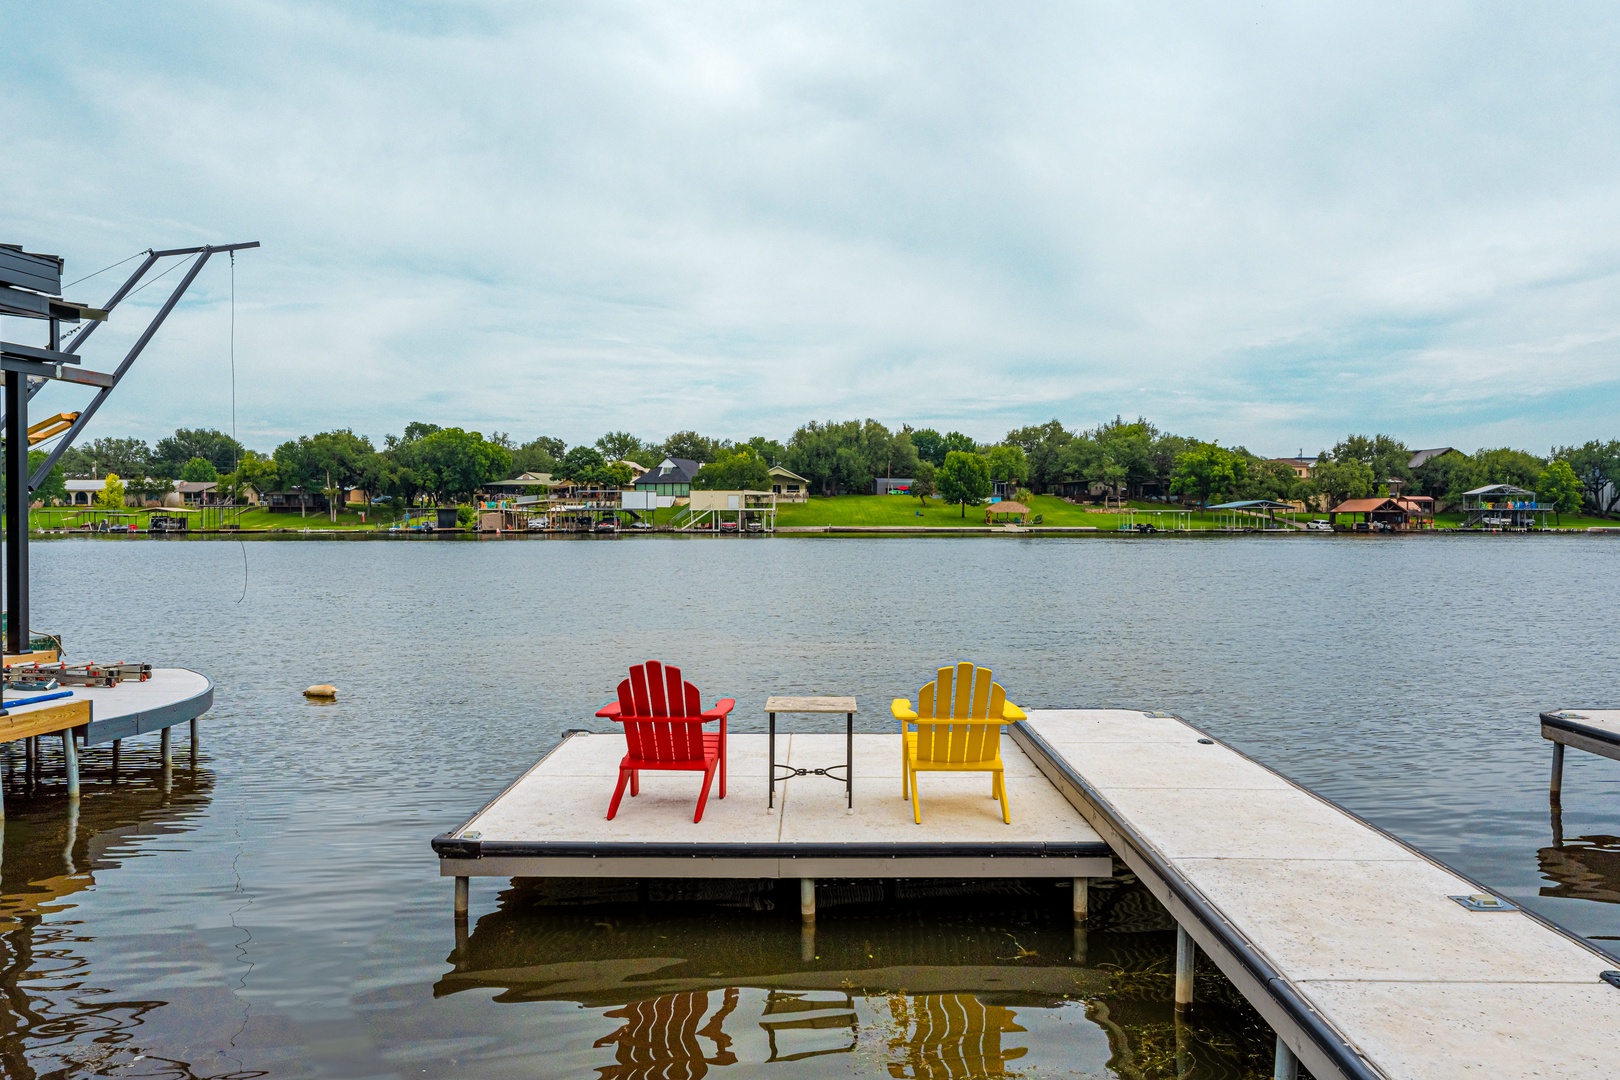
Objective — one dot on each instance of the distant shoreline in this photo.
(794, 532)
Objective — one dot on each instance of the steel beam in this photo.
(18, 491)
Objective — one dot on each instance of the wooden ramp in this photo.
(552, 822)
(1347, 941)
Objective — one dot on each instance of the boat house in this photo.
(1503, 506)
(1399, 513)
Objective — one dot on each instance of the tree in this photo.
(1208, 472)
(348, 459)
(849, 455)
(538, 455)
(1443, 477)
(1385, 455)
(1275, 480)
(742, 470)
(451, 464)
(1504, 465)
(170, 455)
(1337, 481)
(582, 465)
(769, 450)
(618, 445)
(111, 497)
(126, 457)
(1007, 464)
(964, 478)
(1561, 487)
(922, 485)
(1043, 444)
(53, 490)
(199, 470)
(255, 471)
(1597, 464)
(693, 447)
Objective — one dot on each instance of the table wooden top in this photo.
(810, 704)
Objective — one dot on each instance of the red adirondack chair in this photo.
(663, 720)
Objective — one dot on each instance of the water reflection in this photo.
(912, 980)
(1582, 868)
(53, 1018)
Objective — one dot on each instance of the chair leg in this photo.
(905, 765)
(1001, 786)
(722, 759)
(635, 782)
(703, 797)
(916, 803)
(618, 792)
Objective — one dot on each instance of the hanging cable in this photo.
(103, 270)
(236, 447)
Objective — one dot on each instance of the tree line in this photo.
(1131, 459)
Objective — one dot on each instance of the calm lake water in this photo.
(277, 911)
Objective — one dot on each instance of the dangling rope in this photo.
(236, 447)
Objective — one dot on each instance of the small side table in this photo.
(845, 705)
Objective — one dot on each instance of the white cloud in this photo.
(1268, 227)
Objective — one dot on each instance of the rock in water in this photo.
(323, 691)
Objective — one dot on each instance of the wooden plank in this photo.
(41, 656)
(44, 719)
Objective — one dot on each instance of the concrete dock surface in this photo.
(1334, 930)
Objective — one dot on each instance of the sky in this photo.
(1263, 224)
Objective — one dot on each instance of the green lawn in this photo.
(905, 510)
(250, 519)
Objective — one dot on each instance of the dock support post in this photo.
(807, 899)
(1082, 900)
(70, 756)
(1185, 951)
(807, 943)
(461, 898)
(1286, 1066)
(165, 743)
(118, 749)
(1557, 788)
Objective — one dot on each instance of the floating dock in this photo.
(1597, 731)
(1367, 958)
(553, 822)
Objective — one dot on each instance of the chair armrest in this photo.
(902, 710)
(721, 710)
(1009, 711)
(609, 711)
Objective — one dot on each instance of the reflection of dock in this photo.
(1585, 868)
(49, 1002)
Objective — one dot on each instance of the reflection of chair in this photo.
(951, 1037)
(838, 1013)
(974, 708)
(659, 1038)
(663, 720)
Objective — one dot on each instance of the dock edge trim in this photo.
(1333, 1044)
(1575, 727)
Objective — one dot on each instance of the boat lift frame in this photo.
(30, 287)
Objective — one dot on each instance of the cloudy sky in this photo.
(1265, 224)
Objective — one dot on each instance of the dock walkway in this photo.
(1347, 941)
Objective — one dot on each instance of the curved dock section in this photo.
(1352, 945)
(171, 696)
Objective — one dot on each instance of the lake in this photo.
(276, 909)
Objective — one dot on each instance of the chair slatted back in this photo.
(661, 713)
(959, 693)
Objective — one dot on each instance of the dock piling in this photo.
(1082, 900)
(461, 898)
(1286, 1065)
(118, 749)
(1557, 788)
(807, 943)
(70, 755)
(1185, 951)
(807, 899)
(166, 743)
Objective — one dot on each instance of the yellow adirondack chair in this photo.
(956, 727)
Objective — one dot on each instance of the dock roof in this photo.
(1254, 504)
